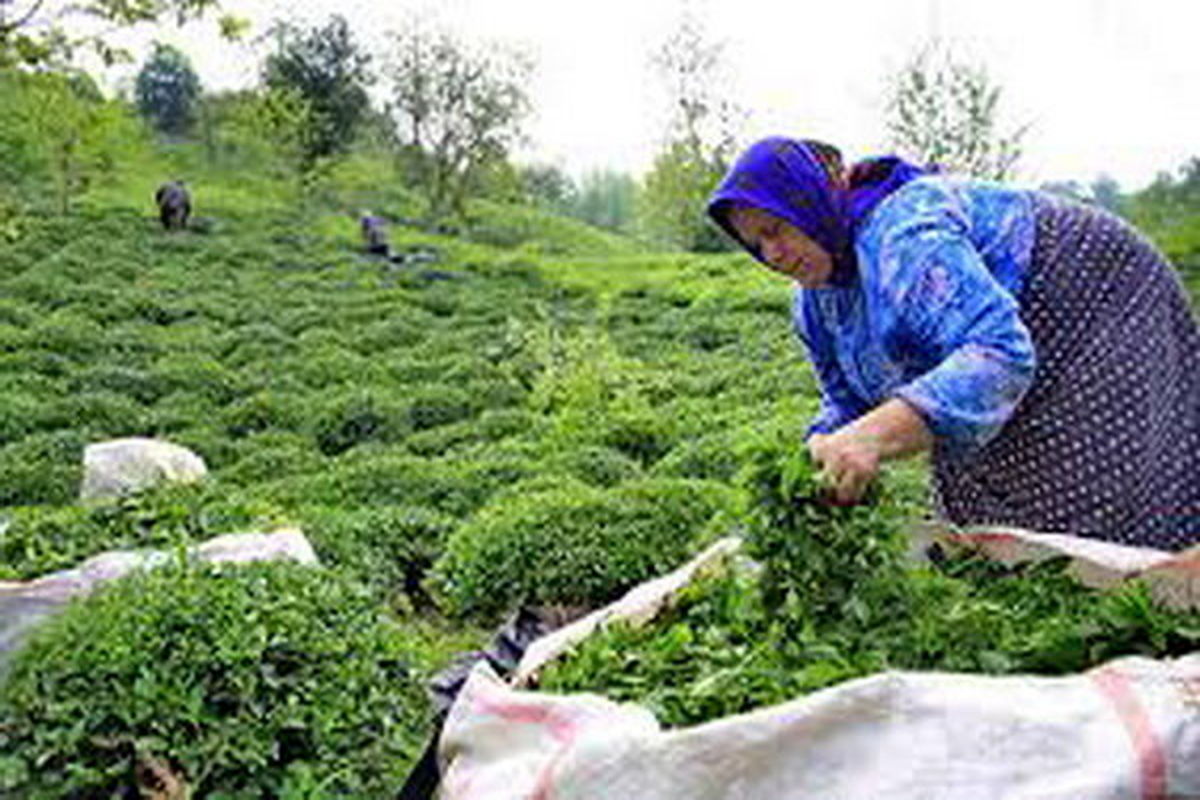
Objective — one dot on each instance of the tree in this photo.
(607, 199)
(59, 135)
(32, 32)
(1071, 189)
(271, 129)
(167, 90)
(945, 111)
(700, 140)
(1106, 192)
(548, 185)
(326, 68)
(458, 109)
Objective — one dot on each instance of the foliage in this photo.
(58, 139)
(572, 544)
(547, 186)
(387, 548)
(833, 598)
(458, 109)
(606, 199)
(673, 196)
(699, 145)
(245, 680)
(1166, 211)
(945, 111)
(539, 233)
(41, 539)
(326, 69)
(275, 126)
(520, 362)
(33, 34)
(167, 90)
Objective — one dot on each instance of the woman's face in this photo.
(783, 246)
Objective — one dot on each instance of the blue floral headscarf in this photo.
(804, 183)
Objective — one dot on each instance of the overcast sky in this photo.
(1107, 86)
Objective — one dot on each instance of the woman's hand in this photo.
(849, 461)
(849, 457)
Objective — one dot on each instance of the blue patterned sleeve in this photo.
(954, 313)
(839, 404)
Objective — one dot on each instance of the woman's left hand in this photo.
(849, 461)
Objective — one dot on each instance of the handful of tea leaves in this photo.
(836, 598)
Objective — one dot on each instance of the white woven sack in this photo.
(1127, 729)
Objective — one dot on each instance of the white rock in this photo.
(122, 466)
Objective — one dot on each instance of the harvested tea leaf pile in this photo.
(835, 598)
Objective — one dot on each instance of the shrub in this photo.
(179, 411)
(19, 414)
(16, 313)
(598, 466)
(252, 680)
(41, 468)
(50, 365)
(389, 548)
(199, 374)
(259, 342)
(638, 432)
(711, 457)
(574, 545)
(67, 334)
(37, 540)
(368, 477)
(12, 337)
(268, 456)
(99, 415)
(391, 333)
(262, 411)
(134, 383)
(490, 426)
(209, 442)
(349, 418)
(437, 404)
(328, 366)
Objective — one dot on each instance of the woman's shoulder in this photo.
(945, 200)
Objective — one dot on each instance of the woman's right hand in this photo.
(848, 462)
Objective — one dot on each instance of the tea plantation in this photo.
(536, 411)
(526, 410)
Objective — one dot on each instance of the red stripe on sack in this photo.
(984, 536)
(1152, 761)
(563, 729)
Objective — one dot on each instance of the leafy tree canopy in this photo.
(945, 111)
(459, 108)
(36, 33)
(167, 90)
(327, 69)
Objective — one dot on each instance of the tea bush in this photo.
(598, 466)
(43, 468)
(387, 548)
(711, 457)
(251, 680)
(834, 598)
(368, 476)
(573, 545)
(19, 412)
(272, 455)
(351, 417)
(263, 411)
(135, 383)
(40, 539)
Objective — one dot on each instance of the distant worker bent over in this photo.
(174, 205)
(374, 233)
(1041, 348)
